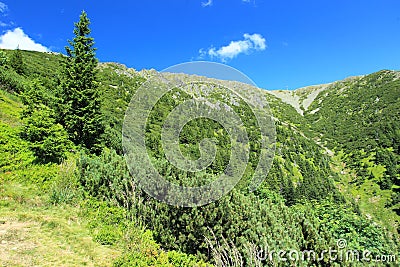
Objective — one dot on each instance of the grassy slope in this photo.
(32, 231)
(35, 233)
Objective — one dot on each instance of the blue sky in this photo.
(278, 44)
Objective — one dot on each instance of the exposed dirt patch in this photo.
(15, 246)
(301, 98)
(50, 241)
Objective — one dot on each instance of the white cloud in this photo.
(250, 43)
(17, 37)
(208, 3)
(3, 7)
(257, 39)
(250, 2)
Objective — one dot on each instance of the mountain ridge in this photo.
(300, 98)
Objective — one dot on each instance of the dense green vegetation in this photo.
(308, 201)
(360, 119)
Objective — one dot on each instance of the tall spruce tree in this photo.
(79, 96)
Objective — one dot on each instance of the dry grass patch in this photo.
(46, 235)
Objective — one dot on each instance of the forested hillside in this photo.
(334, 176)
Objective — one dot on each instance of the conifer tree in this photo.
(48, 140)
(4, 61)
(16, 61)
(79, 96)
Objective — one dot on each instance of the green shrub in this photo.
(142, 250)
(14, 152)
(106, 177)
(17, 62)
(4, 60)
(48, 140)
(65, 188)
(107, 222)
(11, 81)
